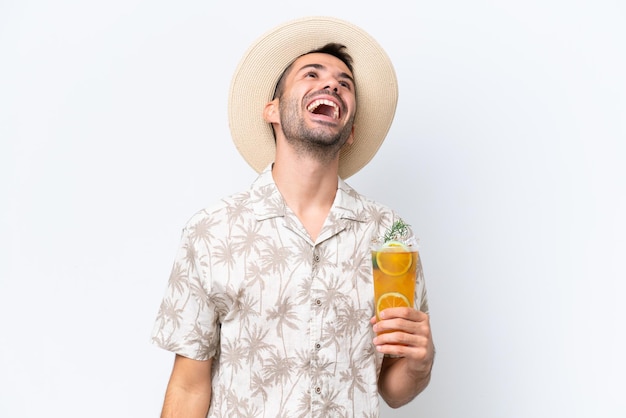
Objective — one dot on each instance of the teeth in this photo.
(320, 102)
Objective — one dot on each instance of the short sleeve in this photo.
(421, 296)
(186, 323)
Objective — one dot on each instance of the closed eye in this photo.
(345, 84)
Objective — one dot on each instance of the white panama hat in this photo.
(255, 79)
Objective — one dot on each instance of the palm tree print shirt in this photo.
(285, 319)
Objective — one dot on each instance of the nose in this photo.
(331, 83)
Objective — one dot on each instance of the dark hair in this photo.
(334, 49)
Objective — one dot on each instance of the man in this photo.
(269, 307)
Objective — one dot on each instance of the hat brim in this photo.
(255, 79)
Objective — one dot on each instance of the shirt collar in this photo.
(267, 202)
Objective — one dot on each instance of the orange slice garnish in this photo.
(391, 300)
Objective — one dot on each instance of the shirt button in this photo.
(318, 346)
(318, 390)
(318, 302)
(316, 258)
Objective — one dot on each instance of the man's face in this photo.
(318, 105)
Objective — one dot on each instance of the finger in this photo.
(396, 337)
(396, 325)
(403, 312)
(421, 354)
(403, 325)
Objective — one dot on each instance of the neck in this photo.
(308, 187)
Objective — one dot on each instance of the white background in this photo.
(507, 157)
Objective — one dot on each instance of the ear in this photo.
(270, 112)
(350, 139)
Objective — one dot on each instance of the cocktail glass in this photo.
(394, 268)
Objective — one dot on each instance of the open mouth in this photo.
(324, 107)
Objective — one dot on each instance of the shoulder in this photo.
(220, 211)
(370, 206)
(238, 207)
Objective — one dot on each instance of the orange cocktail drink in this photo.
(394, 267)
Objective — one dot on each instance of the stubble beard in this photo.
(319, 143)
